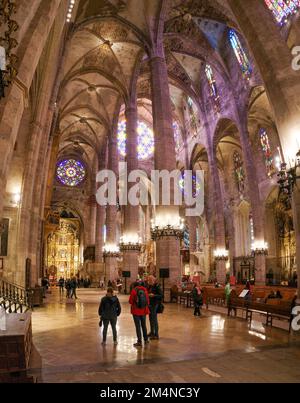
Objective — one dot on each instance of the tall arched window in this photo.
(192, 116)
(239, 52)
(282, 9)
(145, 145)
(265, 145)
(239, 172)
(212, 84)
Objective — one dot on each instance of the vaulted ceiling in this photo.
(107, 51)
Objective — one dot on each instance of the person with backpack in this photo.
(109, 310)
(139, 301)
(155, 297)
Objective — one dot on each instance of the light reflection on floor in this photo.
(66, 335)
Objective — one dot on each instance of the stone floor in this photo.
(212, 348)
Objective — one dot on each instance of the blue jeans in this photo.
(153, 320)
(113, 323)
(140, 326)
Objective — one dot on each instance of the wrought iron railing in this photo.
(15, 299)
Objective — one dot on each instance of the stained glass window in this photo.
(145, 146)
(239, 172)
(212, 85)
(282, 9)
(239, 52)
(192, 115)
(70, 172)
(177, 136)
(265, 145)
(196, 185)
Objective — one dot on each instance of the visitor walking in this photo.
(73, 286)
(109, 310)
(155, 300)
(139, 301)
(61, 284)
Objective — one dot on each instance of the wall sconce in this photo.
(15, 199)
(259, 248)
(221, 254)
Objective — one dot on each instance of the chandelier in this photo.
(111, 250)
(221, 254)
(162, 230)
(259, 248)
(130, 243)
(288, 177)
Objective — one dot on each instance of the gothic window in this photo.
(212, 85)
(251, 225)
(239, 172)
(265, 145)
(145, 146)
(70, 172)
(282, 9)
(239, 52)
(195, 183)
(192, 116)
(177, 136)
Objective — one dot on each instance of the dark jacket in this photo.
(158, 295)
(109, 308)
(198, 298)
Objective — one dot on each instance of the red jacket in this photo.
(133, 302)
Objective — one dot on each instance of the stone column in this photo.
(192, 224)
(100, 216)
(111, 212)
(131, 213)
(256, 205)
(218, 213)
(167, 249)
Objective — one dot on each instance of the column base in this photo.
(260, 267)
(111, 270)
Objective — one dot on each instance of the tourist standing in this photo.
(155, 299)
(139, 301)
(198, 299)
(109, 310)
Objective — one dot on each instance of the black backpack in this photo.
(141, 299)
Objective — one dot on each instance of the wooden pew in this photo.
(273, 308)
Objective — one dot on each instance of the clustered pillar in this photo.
(167, 249)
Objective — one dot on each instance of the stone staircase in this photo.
(13, 298)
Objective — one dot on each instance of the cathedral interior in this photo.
(209, 86)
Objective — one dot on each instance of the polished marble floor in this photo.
(212, 348)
